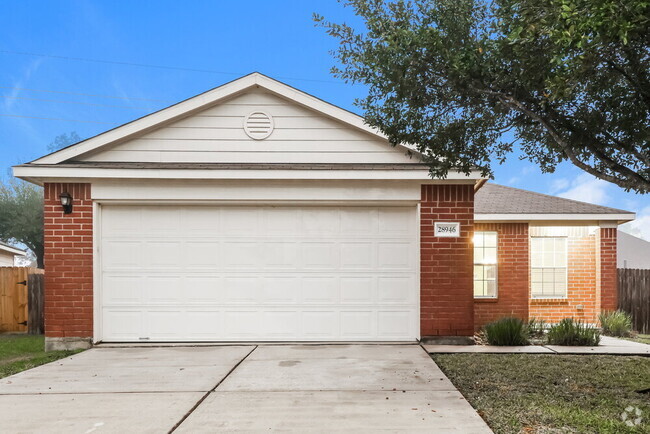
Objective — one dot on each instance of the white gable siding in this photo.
(216, 135)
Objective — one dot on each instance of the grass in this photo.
(527, 393)
(644, 339)
(21, 352)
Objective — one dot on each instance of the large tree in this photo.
(466, 80)
(21, 207)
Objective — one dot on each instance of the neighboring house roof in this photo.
(632, 252)
(498, 202)
(11, 249)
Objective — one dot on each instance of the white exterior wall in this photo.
(632, 252)
(6, 259)
(335, 191)
(216, 134)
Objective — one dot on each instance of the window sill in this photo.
(549, 301)
(486, 300)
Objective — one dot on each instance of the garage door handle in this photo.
(24, 282)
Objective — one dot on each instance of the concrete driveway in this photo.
(237, 388)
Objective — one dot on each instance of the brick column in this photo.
(608, 273)
(68, 268)
(446, 264)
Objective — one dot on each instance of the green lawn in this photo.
(22, 352)
(644, 339)
(551, 393)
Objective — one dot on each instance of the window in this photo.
(485, 264)
(548, 273)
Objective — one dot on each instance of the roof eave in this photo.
(619, 218)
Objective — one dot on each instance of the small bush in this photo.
(507, 332)
(572, 332)
(536, 327)
(616, 323)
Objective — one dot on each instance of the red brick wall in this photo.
(512, 277)
(68, 262)
(582, 301)
(446, 271)
(608, 273)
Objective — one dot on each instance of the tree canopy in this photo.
(465, 81)
(21, 207)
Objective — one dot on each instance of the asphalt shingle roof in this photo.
(499, 199)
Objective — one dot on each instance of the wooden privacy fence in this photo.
(634, 296)
(21, 295)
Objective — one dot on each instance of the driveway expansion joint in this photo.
(200, 401)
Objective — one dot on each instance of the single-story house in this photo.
(633, 252)
(257, 212)
(8, 254)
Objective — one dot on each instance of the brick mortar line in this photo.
(200, 401)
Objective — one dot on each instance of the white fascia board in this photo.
(204, 100)
(621, 218)
(14, 250)
(52, 173)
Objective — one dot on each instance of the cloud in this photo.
(639, 227)
(585, 188)
(11, 100)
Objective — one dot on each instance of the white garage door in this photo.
(236, 273)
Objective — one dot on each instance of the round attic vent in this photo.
(258, 125)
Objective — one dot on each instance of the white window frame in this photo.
(496, 266)
(566, 270)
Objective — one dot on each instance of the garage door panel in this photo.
(123, 324)
(192, 273)
(320, 325)
(395, 324)
(240, 254)
(241, 289)
(280, 289)
(319, 290)
(164, 290)
(201, 255)
(358, 324)
(125, 290)
(390, 290)
(357, 290)
(359, 255)
(319, 255)
(395, 256)
(164, 324)
(203, 289)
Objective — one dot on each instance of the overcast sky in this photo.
(88, 66)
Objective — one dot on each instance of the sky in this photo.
(88, 66)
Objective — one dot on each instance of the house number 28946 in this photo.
(446, 229)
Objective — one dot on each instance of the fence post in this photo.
(35, 319)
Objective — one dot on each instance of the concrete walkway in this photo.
(608, 346)
(238, 388)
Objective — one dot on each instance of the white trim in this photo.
(203, 101)
(496, 278)
(61, 174)
(14, 250)
(97, 260)
(97, 293)
(418, 228)
(566, 269)
(621, 218)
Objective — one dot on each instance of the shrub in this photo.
(507, 332)
(536, 327)
(616, 323)
(572, 332)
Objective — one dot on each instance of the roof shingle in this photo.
(499, 199)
